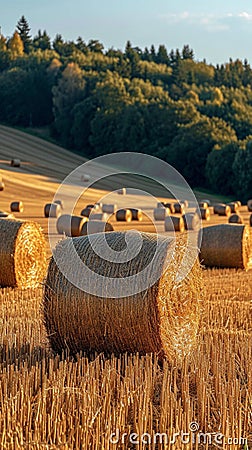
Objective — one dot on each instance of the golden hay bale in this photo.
(86, 212)
(191, 221)
(94, 206)
(238, 202)
(233, 207)
(137, 214)
(17, 207)
(235, 218)
(205, 213)
(222, 210)
(52, 210)
(171, 207)
(161, 319)
(226, 245)
(99, 216)
(122, 191)
(96, 226)
(22, 254)
(203, 205)
(207, 201)
(109, 208)
(70, 225)
(15, 162)
(179, 208)
(161, 213)
(1, 186)
(249, 205)
(174, 223)
(123, 215)
(59, 202)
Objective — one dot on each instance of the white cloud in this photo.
(245, 15)
(210, 22)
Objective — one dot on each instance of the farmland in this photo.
(53, 401)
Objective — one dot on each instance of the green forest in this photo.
(160, 101)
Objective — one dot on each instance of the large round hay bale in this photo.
(86, 212)
(59, 202)
(249, 205)
(15, 162)
(93, 206)
(52, 210)
(99, 216)
(1, 186)
(191, 221)
(233, 207)
(161, 213)
(207, 201)
(203, 205)
(17, 207)
(96, 226)
(179, 208)
(238, 202)
(70, 225)
(137, 214)
(122, 191)
(222, 210)
(171, 207)
(162, 319)
(174, 223)
(123, 215)
(22, 254)
(109, 208)
(205, 213)
(226, 245)
(235, 218)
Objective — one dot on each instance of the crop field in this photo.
(99, 402)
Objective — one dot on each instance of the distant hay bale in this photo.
(235, 218)
(109, 208)
(59, 202)
(52, 210)
(207, 201)
(6, 215)
(92, 206)
(179, 208)
(222, 210)
(249, 205)
(174, 223)
(203, 205)
(184, 203)
(226, 245)
(205, 213)
(17, 207)
(171, 207)
(2, 185)
(85, 177)
(122, 191)
(123, 215)
(22, 254)
(163, 319)
(70, 225)
(233, 207)
(86, 212)
(161, 213)
(99, 216)
(191, 221)
(15, 162)
(96, 226)
(137, 214)
(238, 202)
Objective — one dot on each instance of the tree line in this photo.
(194, 115)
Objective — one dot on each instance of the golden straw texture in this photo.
(162, 319)
(22, 254)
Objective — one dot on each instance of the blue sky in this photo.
(216, 30)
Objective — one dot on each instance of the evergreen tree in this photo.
(42, 41)
(23, 30)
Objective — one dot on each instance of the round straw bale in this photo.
(123, 215)
(233, 207)
(86, 212)
(203, 205)
(179, 208)
(184, 203)
(206, 200)
(191, 221)
(238, 202)
(161, 213)
(52, 210)
(96, 226)
(70, 225)
(95, 207)
(222, 210)
(249, 205)
(1, 185)
(226, 245)
(99, 216)
(205, 213)
(162, 319)
(17, 207)
(59, 202)
(137, 214)
(85, 177)
(15, 162)
(109, 208)
(235, 218)
(22, 254)
(171, 207)
(121, 191)
(174, 223)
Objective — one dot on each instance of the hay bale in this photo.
(171, 207)
(52, 210)
(70, 225)
(203, 205)
(207, 201)
(222, 210)
(161, 213)
(162, 319)
(174, 223)
(249, 205)
(15, 162)
(22, 254)
(184, 203)
(191, 221)
(109, 208)
(94, 206)
(6, 215)
(123, 215)
(59, 202)
(86, 212)
(137, 214)
(179, 208)
(99, 216)
(205, 213)
(85, 177)
(17, 207)
(226, 245)
(96, 226)
(235, 218)
(122, 191)
(233, 207)
(238, 202)
(2, 186)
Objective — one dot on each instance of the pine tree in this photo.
(23, 30)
